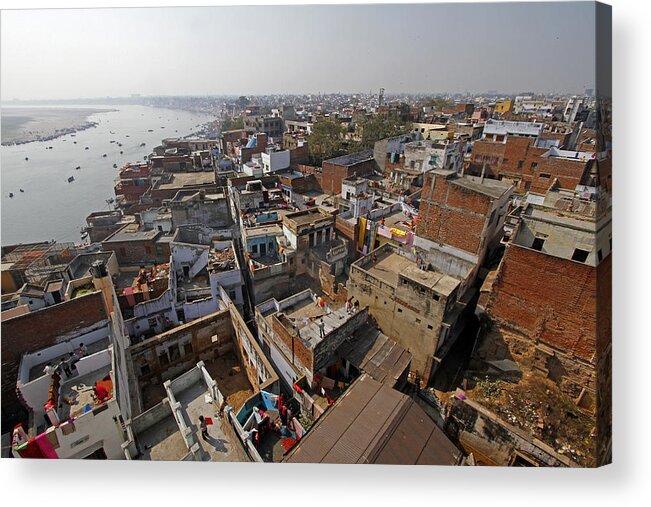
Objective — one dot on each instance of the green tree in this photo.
(325, 141)
(377, 127)
(232, 124)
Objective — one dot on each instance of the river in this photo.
(50, 207)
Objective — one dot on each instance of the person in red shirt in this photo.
(100, 393)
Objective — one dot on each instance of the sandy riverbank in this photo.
(25, 124)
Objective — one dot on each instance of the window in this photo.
(164, 359)
(148, 249)
(160, 228)
(159, 249)
(600, 255)
(152, 322)
(187, 349)
(527, 185)
(144, 369)
(545, 175)
(175, 353)
(534, 165)
(254, 248)
(580, 255)
(436, 297)
(399, 310)
(417, 321)
(429, 326)
(521, 164)
(538, 244)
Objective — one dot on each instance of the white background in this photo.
(626, 482)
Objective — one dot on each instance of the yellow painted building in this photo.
(503, 106)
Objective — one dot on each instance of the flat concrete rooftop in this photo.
(263, 230)
(222, 444)
(132, 232)
(77, 392)
(180, 180)
(389, 267)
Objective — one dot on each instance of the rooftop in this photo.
(222, 444)
(132, 232)
(372, 423)
(179, 180)
(375, 353)
(76, 395)
(352, 158)
(389, 266)
(503, 127)
(263, 230)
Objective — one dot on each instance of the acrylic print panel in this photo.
(351, 244)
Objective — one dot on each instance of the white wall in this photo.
(28, 361)
(281, 365)
(35, 393)
(200, 308)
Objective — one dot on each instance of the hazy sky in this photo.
(52, 54)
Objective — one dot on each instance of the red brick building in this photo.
(134, 245)
(133, 182)
(462, 212)
(335, 170)
(524, 153)
(552, 294)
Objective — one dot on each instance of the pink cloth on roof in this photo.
(45, 446)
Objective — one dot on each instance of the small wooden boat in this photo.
(105, 155)
(142, 144)
(86, 148)
(22, 190)
(11, 194)
(77, 168)
(71, 179)
(121, 152)
(115, 166)
(26, 158)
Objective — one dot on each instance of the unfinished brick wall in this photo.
(451, 214)
(133, 253)
(302, 355)
(567, 173)
(561, 311)
(151, 370)
(37, 330)
(334, 174)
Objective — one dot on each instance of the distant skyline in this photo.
(258, 50)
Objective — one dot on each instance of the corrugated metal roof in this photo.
(376, 354)
(372, 423)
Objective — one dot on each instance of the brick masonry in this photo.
(452, 215)
(519, 160)
(561, 312)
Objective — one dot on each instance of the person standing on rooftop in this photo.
(204, 427)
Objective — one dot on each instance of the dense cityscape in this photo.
(328, 278)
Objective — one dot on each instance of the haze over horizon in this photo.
(264, 50)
